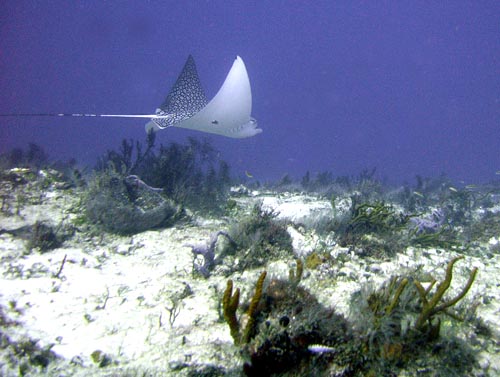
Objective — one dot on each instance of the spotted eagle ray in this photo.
(186, 106)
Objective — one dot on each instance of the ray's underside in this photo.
(186, 106)
(227, 114)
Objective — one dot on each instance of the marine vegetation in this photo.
(365, 184)
(118, 205)
(445, 238)
(400, 320)
(375, 229)
(20, 352)
(379, 229)
(20, 187)
(34, 157)
(375, 218)
(138, 188)
(257, 238)
(284, 329)
(429, 224)
(488, 227)
(44, 237)
(230, 303)
(207, 253)
(191, 175)
(432, 306)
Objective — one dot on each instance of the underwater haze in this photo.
(408, 88)
(320, 195)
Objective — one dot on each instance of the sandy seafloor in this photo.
(135, 299)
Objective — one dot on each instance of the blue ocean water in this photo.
(407, 88)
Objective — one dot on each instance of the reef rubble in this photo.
(100, 304)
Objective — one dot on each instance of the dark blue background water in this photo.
(407, 87)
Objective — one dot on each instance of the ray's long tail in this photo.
(148, 116)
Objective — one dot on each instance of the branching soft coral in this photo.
(434, 305)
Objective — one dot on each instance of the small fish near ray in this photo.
(227, 114)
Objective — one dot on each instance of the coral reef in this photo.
(373, 229)
(191, 174)
(117, 206)
(207, 253)
(258, 238)
(398, 320)
(375, 218)
(287, 329)
(445, 238)
(137, 188)
(334, 312)
(433, 305)
(230, 303)
(429, 224)
(44, 237)
(33, 157)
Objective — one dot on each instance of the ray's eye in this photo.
(215, 122)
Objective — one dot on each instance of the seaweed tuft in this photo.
(258, 238)
(401, 321)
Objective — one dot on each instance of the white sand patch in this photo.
(137, 299)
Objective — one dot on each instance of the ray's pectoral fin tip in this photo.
(227, 114)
